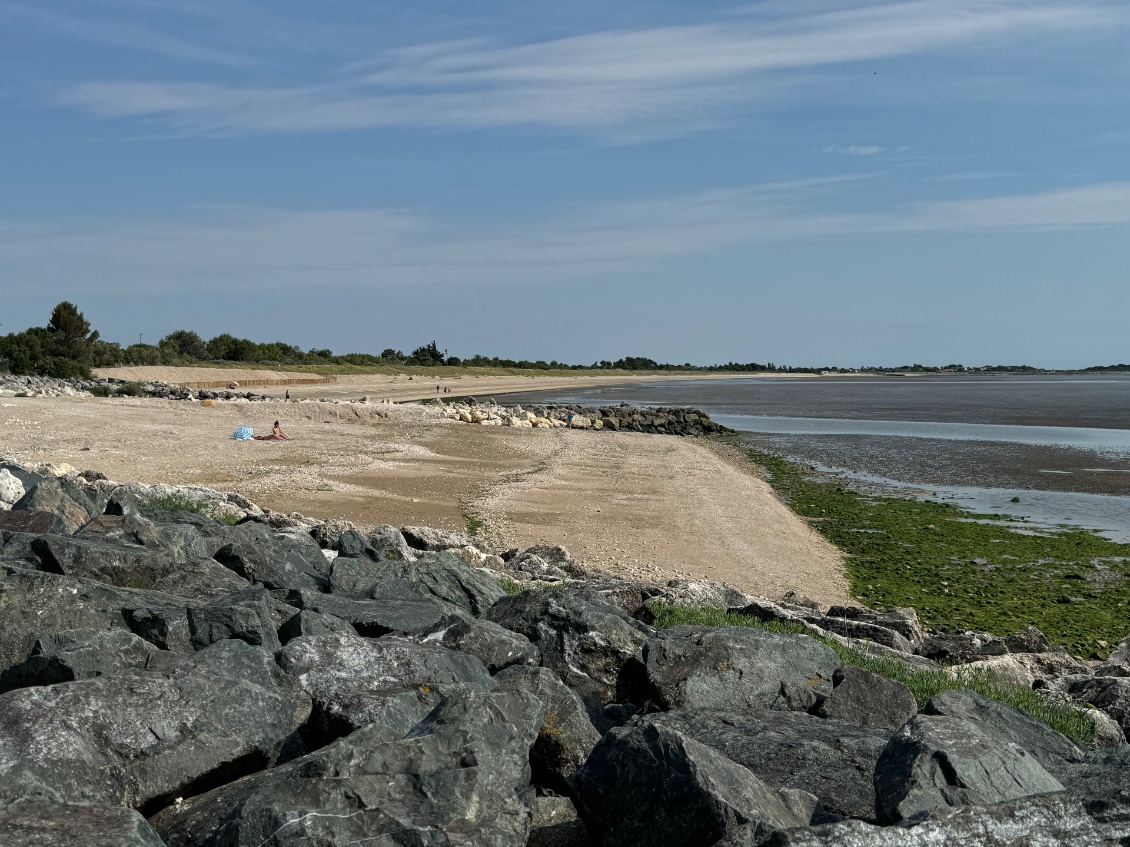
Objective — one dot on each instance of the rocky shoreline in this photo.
(180, 667)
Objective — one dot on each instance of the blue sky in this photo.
(806, 182)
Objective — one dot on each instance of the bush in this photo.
(131, 389)
(924, 684)
(101, 391)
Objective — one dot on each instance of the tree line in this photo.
(69, 347)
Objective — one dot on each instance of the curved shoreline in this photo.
(679, 508)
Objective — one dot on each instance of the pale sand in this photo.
(399, 387)
(638, 505)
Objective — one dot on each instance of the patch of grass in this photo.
(960, 573)
(131, 389)
(924, 684)
(474, 523)
(181, 503)
(510, 586)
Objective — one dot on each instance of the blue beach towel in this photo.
(244, 433)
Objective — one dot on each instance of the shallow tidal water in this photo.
(1059, 445)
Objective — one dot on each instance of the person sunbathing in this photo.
(276, 435)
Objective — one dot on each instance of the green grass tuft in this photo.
(510, 586)
(923, 684)
(181, 503)
(474, 523)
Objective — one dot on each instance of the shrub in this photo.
(924, 684)
(131, 389)
(101, 391)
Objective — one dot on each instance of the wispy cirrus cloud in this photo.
(266, 249)
(854, 149)
(599, 80)
(120, 33)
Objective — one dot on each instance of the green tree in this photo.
(70, 332)
(429, 355)
(186, 343)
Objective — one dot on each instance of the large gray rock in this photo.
(460, 776)
(389, 543)
(15, 545)
(1108, 693)
(1104, 773)
(11, 488)
(258, 555)
(34, 605)
(650, 786)
(556, 824)
(566, 737)
(39, 824)
(833, 760)
(734, 668)
(348, 676)
(245, 615)
(434, 540)
(48, 496)
(313, 623)
(1046, 820)
(448, 578)
(1057, 753)
(402, 607)
(935, 762)
(496, 647)
(354, 576)
(903, 621)
(959, 648)
(179, 542)
(867, 699)
(78, 654)
(125, 565)
(139, 738)
(351, 544)
(201, 581)
(1118, 662)
(866, 631)
(594, 647)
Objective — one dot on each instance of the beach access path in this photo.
(638, 505)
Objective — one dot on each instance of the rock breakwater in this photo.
(661, 421)
(181, 668)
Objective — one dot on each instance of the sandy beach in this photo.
(638, 505)
(398, 388)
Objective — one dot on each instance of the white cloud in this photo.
(269, 249)
(854, 149)
(595, 80)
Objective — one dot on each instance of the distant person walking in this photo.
(288, 395)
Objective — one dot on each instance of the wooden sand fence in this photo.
(247, 383)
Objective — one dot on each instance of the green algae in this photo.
(966, 571)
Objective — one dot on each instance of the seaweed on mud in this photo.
(963, 573)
